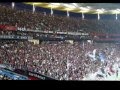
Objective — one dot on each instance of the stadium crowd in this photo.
(60, 60)
(39, 21)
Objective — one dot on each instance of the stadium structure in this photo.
(59, 41)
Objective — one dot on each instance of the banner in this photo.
(33, 75)
(52, 32)
(8, 27)
(14, 37)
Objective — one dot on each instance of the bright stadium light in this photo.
(75, 4)
(89, 7)
(37, 3)
(68, 9)
(84, 10)
(69, 6)
(100, 11)
(116, 11)
(53, 6)
(13, 4)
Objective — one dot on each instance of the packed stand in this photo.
(59, 60)
(39, 21)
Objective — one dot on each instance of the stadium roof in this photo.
(90, 8)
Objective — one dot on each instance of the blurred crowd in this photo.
(39, 21)
(59, 60)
